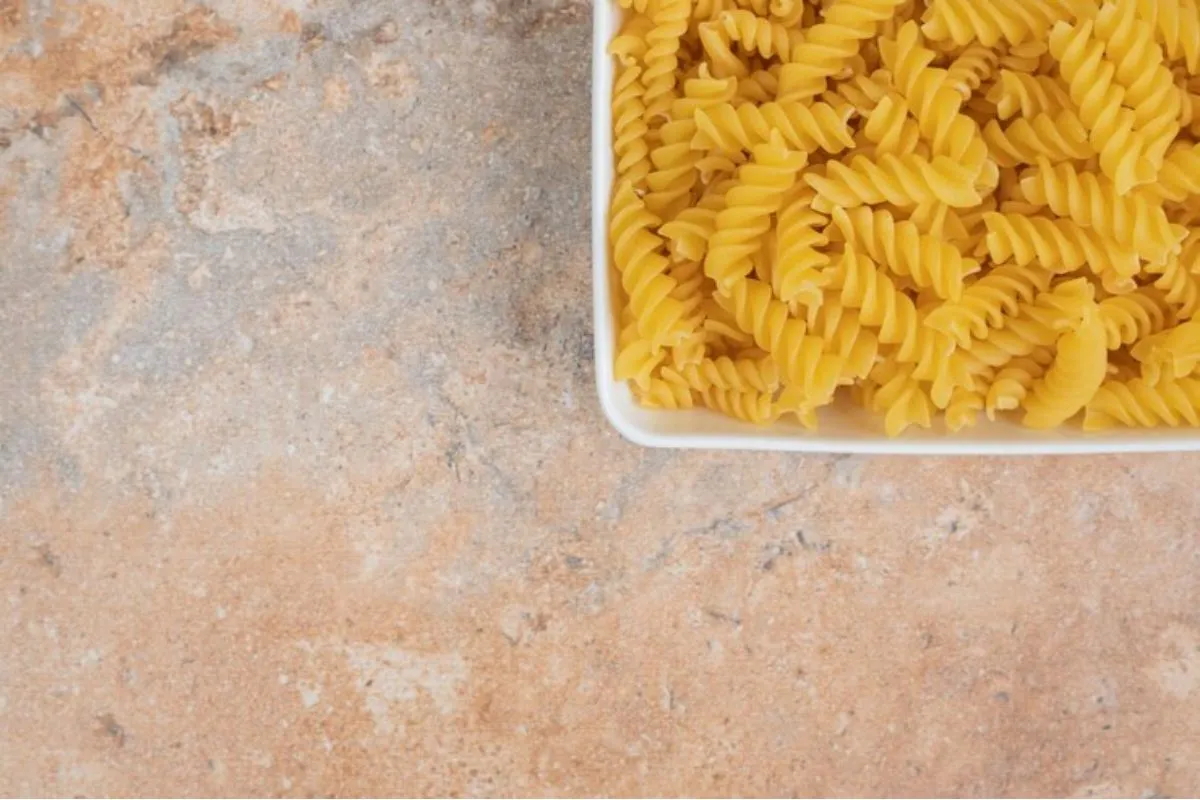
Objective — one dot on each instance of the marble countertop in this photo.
(304, 488)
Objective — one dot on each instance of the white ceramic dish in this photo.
(842, 430)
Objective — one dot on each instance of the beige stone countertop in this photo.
(305, 490)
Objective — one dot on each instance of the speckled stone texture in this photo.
(304, 488)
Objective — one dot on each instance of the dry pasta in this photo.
(938, 210)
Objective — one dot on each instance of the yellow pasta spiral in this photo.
(703, 91)
(662, 47)
(899, 396)
(674, 173)
(890, 128)
(901, 247)
(759, 193)
(688, 233)
(1130, 219)
(1180, 175)
(1028, 95)
(751, 407)
(1171, 353)
(972, 68)
(629, 126)
(1176, 24)
(1058, 245)
(661, 318)
(860, 92)
(1149, 86)
(829, 46)
(986, 304)
(1014, 21)
(933, 100)
(800, 262)
(805, 128)
(1057, 137)
(1134, 316)
(845, 336)
(730, 374)
(906, 180)
(811, 373)
(1138, 404)
(1180, 287)
(1025, 58)
(662, 393)
(637, 358)
(881, 305)
(963, 409)
(754, 33)
(711, 9)
(1112, 128)
(1079, 368)
(759, 86)
(1012, 382)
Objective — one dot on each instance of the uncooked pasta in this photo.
(939, 210)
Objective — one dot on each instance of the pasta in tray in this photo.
(941, 210)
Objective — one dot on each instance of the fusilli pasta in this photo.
(954, 209)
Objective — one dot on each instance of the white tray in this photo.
(842, 430)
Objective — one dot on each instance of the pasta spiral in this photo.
(934, 102)
(1176, 24)
(890, 129)
(902, 248)
(759, 193)
(906, 180)
(1058, 137)
(629, 128)
(963, 409)
(1137, 404)
(1058, 245)
(1180, 287)
(829, 45)
(728, 374)
(674, 173)
(752, 407)
(1130, 219)
(1180, 175)
(1174, 352)
(661, 393)
(842, 330)
(860, 92)
(1130, 317)
(972, 68)
(900, 398)
(1149, 86)
(670, 24)
(688, 233)
(754, 33)
(865, 287)
(1112, 128)
(806, 128)
(1079, 369)
(703, 91)
(660, 318)
(986, 303)
(800, 262)
(810, 372)
(636, 357)
(1028, 95)
(1014, 21)
(1012, 382)
(955, 206)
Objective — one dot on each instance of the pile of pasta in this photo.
(931, 208)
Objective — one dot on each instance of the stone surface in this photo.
(304, 489)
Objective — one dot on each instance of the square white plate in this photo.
(842, 429)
